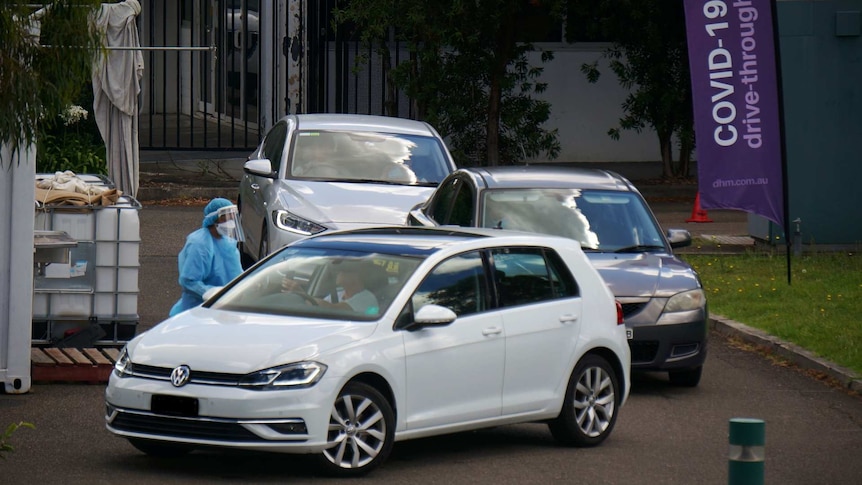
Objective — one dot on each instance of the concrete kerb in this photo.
(800, 357)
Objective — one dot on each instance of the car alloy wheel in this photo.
(361, 431)
(589, 408)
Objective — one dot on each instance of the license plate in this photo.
(174, 405)
(630, 333)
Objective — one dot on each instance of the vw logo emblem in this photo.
(180, 376)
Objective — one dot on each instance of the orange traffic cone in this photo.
(698, 214)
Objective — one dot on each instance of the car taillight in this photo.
(619, 313)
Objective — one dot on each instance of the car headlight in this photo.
(301, 374)
(290, 222)
(123, 365)
(685, 301)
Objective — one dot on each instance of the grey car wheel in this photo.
(589, 410)
(361, 431)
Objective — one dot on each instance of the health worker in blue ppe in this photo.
(210, 257)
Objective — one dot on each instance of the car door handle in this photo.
(255, 186)
(568, 318)
(487, 332)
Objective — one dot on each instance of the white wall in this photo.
(584, 112)
(17, 199)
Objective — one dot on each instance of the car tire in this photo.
(686, 377)
(361, 432)
(159, 449)
(590, 406)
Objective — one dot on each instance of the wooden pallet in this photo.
(52, 364)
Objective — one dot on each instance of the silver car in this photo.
(321, 172)
(662, 296)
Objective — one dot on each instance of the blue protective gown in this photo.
(205, 262)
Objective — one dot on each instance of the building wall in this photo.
(821, 59)
(583, 112)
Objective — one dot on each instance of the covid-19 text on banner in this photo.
(736, 95)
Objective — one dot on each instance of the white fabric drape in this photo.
(116, 84)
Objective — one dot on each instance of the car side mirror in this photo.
(261, 167)
(435, 315)
(678, 238)
(431, 316)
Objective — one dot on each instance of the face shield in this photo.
(227, 223)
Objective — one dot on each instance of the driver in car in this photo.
(354, 295)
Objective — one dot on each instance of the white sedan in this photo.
(323, 172)
(340, 345)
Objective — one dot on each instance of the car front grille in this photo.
(196, 377)
(643, 351)
(175, 427)
(182, 428)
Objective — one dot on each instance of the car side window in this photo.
(273, 145)
(458, 283)
(531, 275)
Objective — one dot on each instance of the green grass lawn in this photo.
(819, 310)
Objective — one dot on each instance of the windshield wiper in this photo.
(639, 248)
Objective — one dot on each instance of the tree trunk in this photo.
(493, 136)
(685, 149)
(504, 48)
(391, 88)
(664, 141)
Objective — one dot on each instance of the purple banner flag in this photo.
(735, 89)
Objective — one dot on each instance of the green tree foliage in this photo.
(466, 73)
(649, 55)
(40, 79)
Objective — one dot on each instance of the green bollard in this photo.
(747, 451)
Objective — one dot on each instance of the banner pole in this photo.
(784, 182)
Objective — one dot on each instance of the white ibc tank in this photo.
(118, 222)
(109, 243)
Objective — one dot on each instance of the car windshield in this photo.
(599, 220)
(368, 157)
(321, 283)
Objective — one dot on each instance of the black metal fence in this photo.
(207, 84)
(346, 76)
(201, 87)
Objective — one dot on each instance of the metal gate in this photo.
(219, 73)
(202, 82)
(337, 83)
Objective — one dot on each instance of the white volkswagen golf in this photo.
(340, 345)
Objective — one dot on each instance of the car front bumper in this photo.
(669, 347)
(288, 421)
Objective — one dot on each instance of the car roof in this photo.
(354, 122)
(408, 240)
(549, 176)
